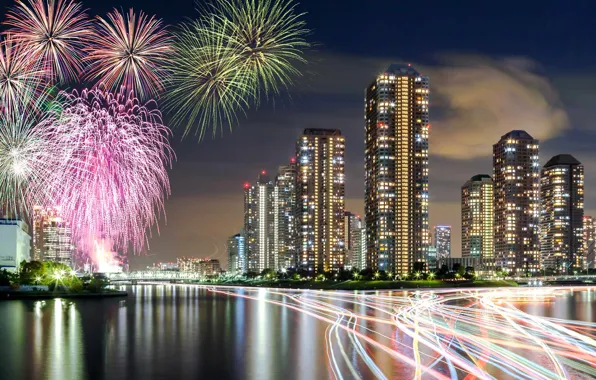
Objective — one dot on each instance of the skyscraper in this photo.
(320, 200)
(562, 213)
(259, 225)
(235, 247)
(443, 241)
(516, 181)
(352, 228)
(51, 236)
(589, 240)
(477, 217)
(396, 163)
(285, 215)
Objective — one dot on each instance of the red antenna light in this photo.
(246, 185)
(292, 160)
(263, 172)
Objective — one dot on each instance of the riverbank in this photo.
(370, 285)
(7, 296)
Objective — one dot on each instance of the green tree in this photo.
(7, 278)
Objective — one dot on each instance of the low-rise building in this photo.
(482, 267)
(15, 243)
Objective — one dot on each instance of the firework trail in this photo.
(224, 62)
(112, 179)
(21, 80)
(206, 85)
(55, 31)
(131, 51)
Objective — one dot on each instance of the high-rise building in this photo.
(562, 213)
(235, 247)
(477, 215)
(52, 239)
(396, 163)
(259, 225)
(320, 200)
(443, 241)
(359, 255)
(589, 241)
(352, 227)
(516, 181)
(15, 243)
(431, 258)
(285, 233)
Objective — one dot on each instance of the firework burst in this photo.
(112, 178)
(206, 85)
(223, 62)
(20, 78)
(55, 32)
(26, 161)
(269, 37)
(131, 51)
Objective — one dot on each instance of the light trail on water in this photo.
(441, 334)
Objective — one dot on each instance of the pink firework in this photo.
(20, 78)
(56, 32)
(129, 50)
(112, 179)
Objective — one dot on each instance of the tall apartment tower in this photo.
(477, 214)
(589, 241)
(516, 181)
(235, 248)
(52, 238)
(396, 163)
(259, 225)
(562, 214)
(320, 200)
(285, 234)
(352, 235)
(443, 241)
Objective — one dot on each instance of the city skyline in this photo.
(207, 176)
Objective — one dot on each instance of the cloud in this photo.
(482, 99)
(474, 99)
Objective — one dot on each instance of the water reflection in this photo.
(169, 332)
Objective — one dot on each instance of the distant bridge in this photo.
(157, 275)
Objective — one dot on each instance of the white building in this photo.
(15, 243)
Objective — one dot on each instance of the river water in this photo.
(185, 332)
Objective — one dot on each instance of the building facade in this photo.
(589, 240)
(477, 217)
(320, 200)
(516, 181)
(285, 234)
(15, 243)
(52, 238)
(235, 248)
(443, 241)
(562, 214)
(396, 164)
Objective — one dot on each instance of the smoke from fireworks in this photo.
(131, 51)
(20, 78)
(112, 178)
(226, 59)
(56, 32)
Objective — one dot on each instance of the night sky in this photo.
(492, 68)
